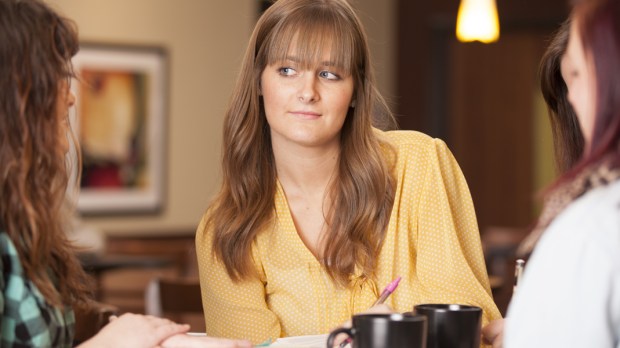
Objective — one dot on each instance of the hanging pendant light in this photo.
(477, 21)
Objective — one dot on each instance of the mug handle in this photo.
(330, 339)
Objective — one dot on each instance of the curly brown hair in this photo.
(36, 46)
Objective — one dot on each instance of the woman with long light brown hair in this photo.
(319, 209)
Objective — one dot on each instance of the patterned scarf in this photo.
(597, 175)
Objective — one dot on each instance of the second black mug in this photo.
(452, 325)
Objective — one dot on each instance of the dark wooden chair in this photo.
(90, 319)
(178, 299)
(500, 244)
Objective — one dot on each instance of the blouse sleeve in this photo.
(450, 264)
(232, 309)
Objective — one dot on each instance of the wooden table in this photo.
(98, 264)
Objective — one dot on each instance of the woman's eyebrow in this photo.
(298, 60)
(329, 63)
(293, 59)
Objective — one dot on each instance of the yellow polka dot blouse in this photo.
(432, 243)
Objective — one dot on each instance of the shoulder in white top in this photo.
(570, 292)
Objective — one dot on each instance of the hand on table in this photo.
(135, 331)
(493, 333)
(145, 331)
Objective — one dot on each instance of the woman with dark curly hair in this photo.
(41, 277)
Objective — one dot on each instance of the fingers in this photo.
(166, 328)
(380, 309)
(493, 333)
(339, 340)
(137, 331)
(160, 328)
(152, 321)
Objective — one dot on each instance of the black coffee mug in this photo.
(384, 331)
(451, 325)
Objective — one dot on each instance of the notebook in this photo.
(309, 341)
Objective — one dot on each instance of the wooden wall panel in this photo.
(478, 98)
(491, 94)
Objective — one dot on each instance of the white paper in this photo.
(309, 341)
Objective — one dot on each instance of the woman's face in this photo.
(305, 106)
(578, 73)
(65, 100)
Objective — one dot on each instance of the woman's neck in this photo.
(305, 175)
(306, 169)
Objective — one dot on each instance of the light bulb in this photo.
(477, 20)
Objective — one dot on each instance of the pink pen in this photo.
(387, 291)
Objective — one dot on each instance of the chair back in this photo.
(178, 299)
(180, 296)
(89, 320)
(499, 244)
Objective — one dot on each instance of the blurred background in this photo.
(482, 99)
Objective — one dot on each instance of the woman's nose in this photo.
(70, 99)
(308, 90)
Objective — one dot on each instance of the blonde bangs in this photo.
(309, 34)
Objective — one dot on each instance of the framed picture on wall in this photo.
(120, 122)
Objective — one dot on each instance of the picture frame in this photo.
(120, 123)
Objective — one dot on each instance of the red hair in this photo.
(599, 29)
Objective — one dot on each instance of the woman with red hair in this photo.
(569, 294)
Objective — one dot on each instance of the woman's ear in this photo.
(352, 103)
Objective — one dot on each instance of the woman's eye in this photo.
(329, 75)
(286, 71)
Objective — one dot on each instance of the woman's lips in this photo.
(306, 114)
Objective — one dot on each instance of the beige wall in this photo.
(379, 18)
(205, 40)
